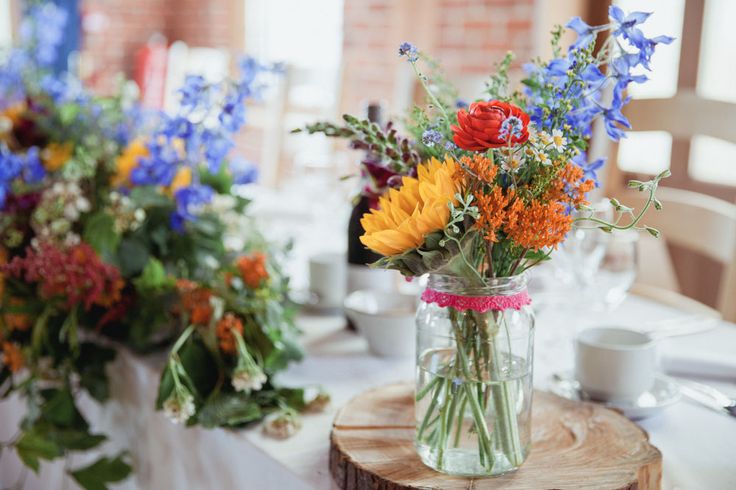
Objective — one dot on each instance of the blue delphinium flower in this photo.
(33, 169)
(431, 137)
(511, 128)
(159, 167)
(590, 169)
(11, 166)
(232, 116)
(410, 51)
(189, 200)
(243, 171)
(585, 33)
(42, 31)
(194, 94)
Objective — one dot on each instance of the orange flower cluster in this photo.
(480, 167)
(196, 301)
(224, 332)
(496, 210)
(569, 186)
(16, 321)
(253, 269)
(540, 225)
(12, 357)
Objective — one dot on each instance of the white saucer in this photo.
(664, 393)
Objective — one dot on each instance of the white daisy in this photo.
(558, 140)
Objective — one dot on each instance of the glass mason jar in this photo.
(474, 376)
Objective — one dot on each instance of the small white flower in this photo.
(249, 379)
(82, 204)
(544, 138)
(512, 163)
(179, 407)
(542, 157)
(282, 425)
(558, 140)
(71, 212)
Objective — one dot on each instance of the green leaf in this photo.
(153, 278)
(229, 410)
(99, 232)
(33, 446)
(201, 368)
(76, 440)
(91, 364)
(132, 256)
(102, 472)
(60, 409)
(68, 112)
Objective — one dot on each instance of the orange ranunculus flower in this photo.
(491, 124)
(224, 332)
(182, 178)
(55, 155)
(17, 321)
(12, 357)
(253, 269)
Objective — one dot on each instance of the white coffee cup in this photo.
(386, 320)
(328, 279)
(615, 363)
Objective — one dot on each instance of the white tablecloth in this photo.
(697, 444)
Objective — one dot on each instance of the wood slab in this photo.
(574, 445)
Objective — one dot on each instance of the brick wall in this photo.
(466, 36)
(114, 31)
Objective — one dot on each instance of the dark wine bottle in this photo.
(359, 275)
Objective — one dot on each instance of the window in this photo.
(646, 152)
(649, 151)
(712, 160)
(6, 25)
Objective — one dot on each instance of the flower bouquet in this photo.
(118, 228)
(494, 197)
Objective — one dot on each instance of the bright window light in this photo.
(712, 160)
(646, 152)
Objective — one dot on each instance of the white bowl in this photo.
(385, 319)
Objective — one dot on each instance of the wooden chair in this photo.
(697, 222)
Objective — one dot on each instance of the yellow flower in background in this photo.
(183, 178)
(419, 207)
(55, 155)
(11, 116)
(127, 161)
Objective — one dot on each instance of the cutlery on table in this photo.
(708, 396)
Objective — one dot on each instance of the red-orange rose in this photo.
(483, 126)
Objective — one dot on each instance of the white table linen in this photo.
(697, 444)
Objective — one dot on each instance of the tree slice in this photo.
(574, 445)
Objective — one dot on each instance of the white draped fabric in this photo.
(697, 444)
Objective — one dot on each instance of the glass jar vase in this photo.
(474, 375)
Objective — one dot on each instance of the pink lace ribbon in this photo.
(480, 304)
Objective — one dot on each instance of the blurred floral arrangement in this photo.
(489, 190)
(118, 228)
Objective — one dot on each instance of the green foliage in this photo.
(154, 278)
(102, 472)
(229, 410)
(90, 364)
(99, 232)
(32, 447)
(201, 368)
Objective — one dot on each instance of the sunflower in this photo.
(419, 207)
